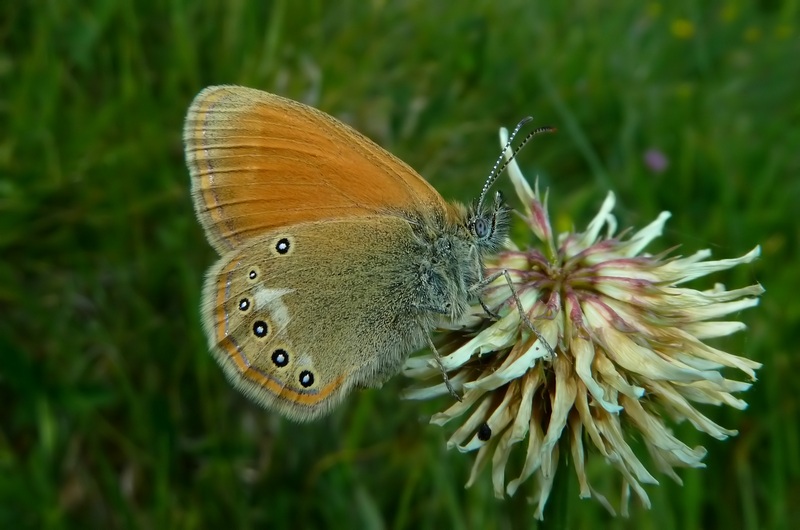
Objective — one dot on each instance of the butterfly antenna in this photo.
(502, 163)
(493, 174)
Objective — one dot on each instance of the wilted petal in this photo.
(545, 486)
(497, 422)
(586, 239)
(584, 357)
(470, 426)
(642, 238)
(657, 436)
(562, 403)
(480, 462)
(501, 454)
(533, 457)
(684, 271)
(680, 408)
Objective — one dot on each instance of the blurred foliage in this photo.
(114, 414)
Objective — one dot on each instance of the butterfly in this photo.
(337, 260)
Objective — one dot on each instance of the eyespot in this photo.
(482, 227)
(244, 304)
(253, 273)
(260, 329)
(281, 358)
(484, 432)
(283, 246)
(306, 378)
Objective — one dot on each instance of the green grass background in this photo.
(112, 412)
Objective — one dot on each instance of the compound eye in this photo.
(482, 227)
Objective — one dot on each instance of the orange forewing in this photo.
(259, 161)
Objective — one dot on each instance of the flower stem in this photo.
(556, 512)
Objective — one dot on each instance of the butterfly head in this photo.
(488, 225)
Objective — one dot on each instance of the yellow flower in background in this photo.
(685, 90)
(682, 28)
(783, 31)
(654, 9)
(752, 34)
(629, 347)
(730, 12)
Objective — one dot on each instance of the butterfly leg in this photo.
(492, 315)
(481, 284)
(441, 367)
(487, 280)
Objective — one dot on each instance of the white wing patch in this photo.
(270, 299)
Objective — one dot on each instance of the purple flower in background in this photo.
(655, 160)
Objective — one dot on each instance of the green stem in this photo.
(556, 512)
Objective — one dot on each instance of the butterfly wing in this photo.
(260, 161)
(304, 313)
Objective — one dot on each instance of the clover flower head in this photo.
(627, 353)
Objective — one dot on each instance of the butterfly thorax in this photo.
(449, 263)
